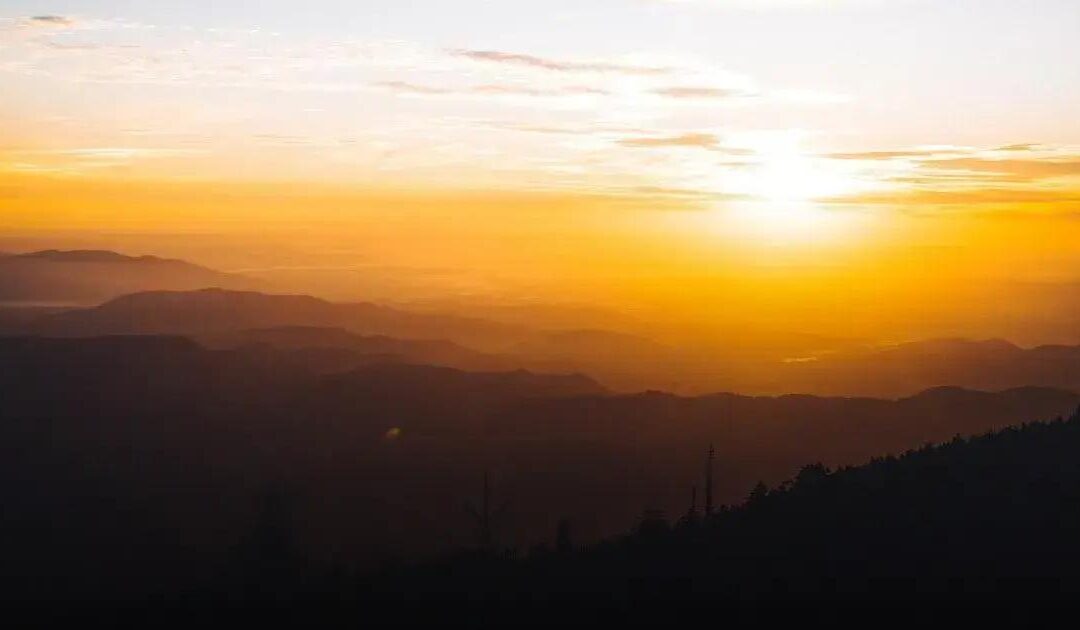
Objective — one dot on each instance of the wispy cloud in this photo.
(615, 122)
(405, 87)
(1027, 169)
(556, 65)
(701, 92)
(51, 21)
(884, 155)
(1017, 162)
(84, 160)
(691, 140)
(496, 89)
(1020, 147)
(958, 176)
(981, 196)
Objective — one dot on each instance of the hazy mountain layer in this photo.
(212, 311)
(91, 276)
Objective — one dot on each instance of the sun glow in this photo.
(783, 190)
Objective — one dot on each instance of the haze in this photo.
(881, 171)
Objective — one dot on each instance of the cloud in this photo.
(1019, 147)
(496, 89)
(519, 59)
(694, 140)
(548, 129)
(958, 178)
(83, 160)
(698, 92)
(50, 21)
(949, 176)
(972, 196)
(118, 153)
(1027, 169)
(404, 87)
(884, 155)
(685, 193)
(603, 107)
(569, 90)
(746, 92)
(1017, 162)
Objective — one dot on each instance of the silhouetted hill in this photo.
(312, 340)
(15, 320)
(90, 276)
(94, 255)
(432, 401)
(911, 367)
(840, 430)
(589, 344)
(991, 515)
(627, 362)
(211, 311)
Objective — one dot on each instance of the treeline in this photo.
(990, 514)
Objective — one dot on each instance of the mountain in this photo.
(768, 438)
(215, 311)
(338, 342)
(589, 345)
(91, 276)
(626, 362)
(93, 256)
(17, 319)
(963, 522)
(151, 455)
(907, 368)
(430, 401)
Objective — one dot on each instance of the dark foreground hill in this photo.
(994, 515)
(134, 465)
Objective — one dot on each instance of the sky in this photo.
(638, 140)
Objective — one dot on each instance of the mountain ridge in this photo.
(92, 276)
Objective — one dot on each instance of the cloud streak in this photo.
(687, 140)
(51, 21)
(980, 196)
(1027, 169)
(494, 89)
(701, 92)
(542, 63)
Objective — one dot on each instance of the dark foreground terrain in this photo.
(153, 469)
(995, 515)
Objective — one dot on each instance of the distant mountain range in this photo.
(91, 276)
(341, 350)
(902, 369)
(151, 295)
(225, 318)
(214, 311)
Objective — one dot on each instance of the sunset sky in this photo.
(856, 141)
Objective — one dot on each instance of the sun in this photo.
(782, 192)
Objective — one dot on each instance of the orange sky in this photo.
(668, 154)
